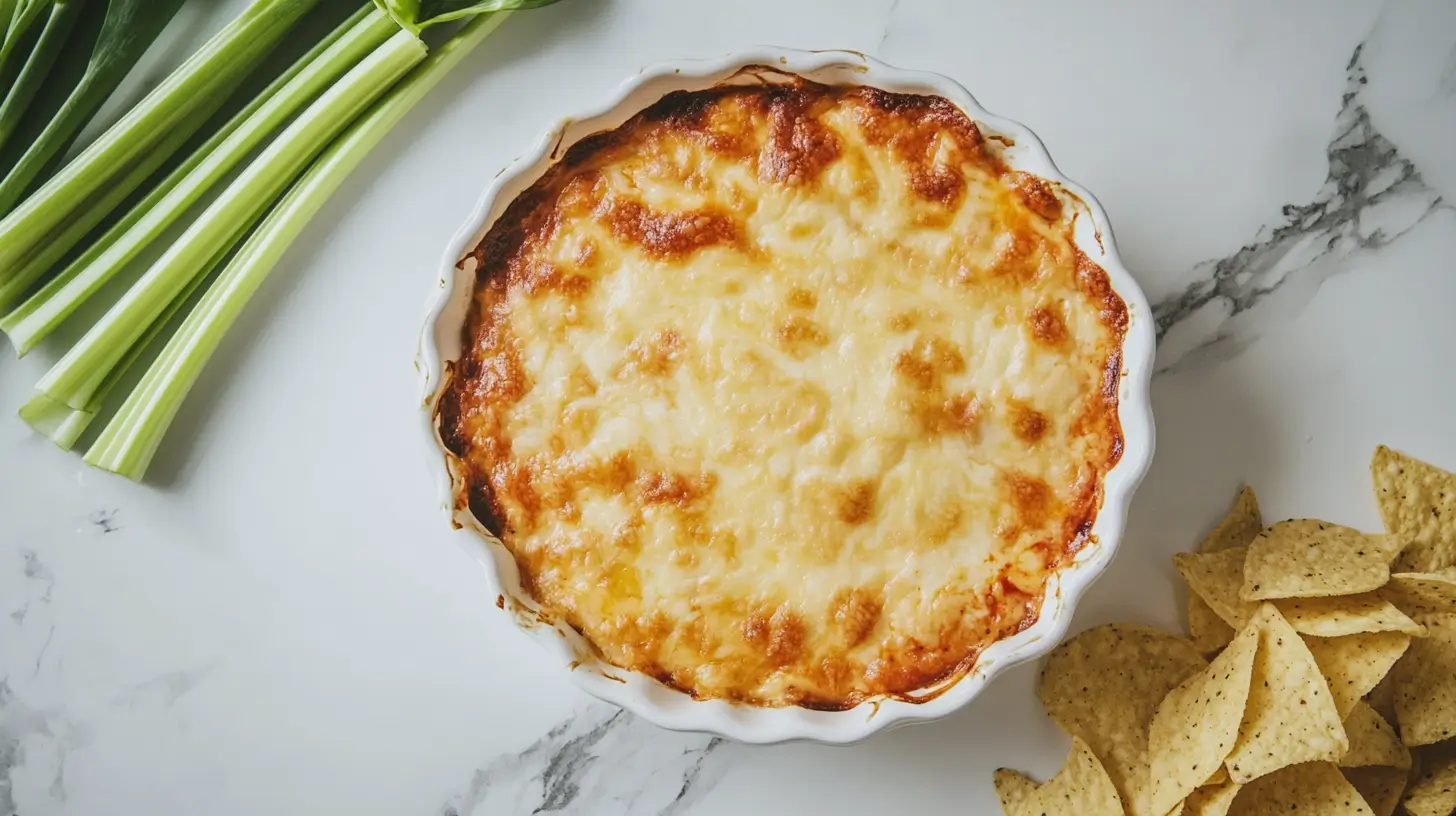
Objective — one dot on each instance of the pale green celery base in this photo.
(75, 378)
(45, 310)
(203, 81)
(63, 424)
(131, 438)
(56, 421)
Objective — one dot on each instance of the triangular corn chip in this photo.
(1290, 717)
(1216, 578)
(1425, 685)
(1082, 786)
(1354, 665)
(1196, 725)
(1382, 698)
(1212, 800)
(1309, 558)
(1418, 503)
(1104, 686)
(1239, 527)
(1208, 631)
(1309, 789)
(1380, 787)
(1013, 788)
(1423, 593)
(1345, 615)
(1372, 741)
(1432, 792)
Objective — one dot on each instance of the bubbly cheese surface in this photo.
(788, 393)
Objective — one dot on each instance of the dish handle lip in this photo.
(676, 710)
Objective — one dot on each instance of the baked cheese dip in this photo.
(788, 393)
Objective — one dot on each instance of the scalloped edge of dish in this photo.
(676, 710)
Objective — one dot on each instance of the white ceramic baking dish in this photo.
(669, 707)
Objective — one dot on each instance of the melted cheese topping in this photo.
(788, 394)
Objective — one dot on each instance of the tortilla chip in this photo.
(1372, 741)
(1290, 717)
(1418, 503)
(1425, 685)
(1345, 615)
(1216, 578)
(1082, 786)
(1213, 800)
(1104, 686)
(1381, 788)
(1433, 791)
(1382, 698)
(1197, 724)
(1354, 665)
(1205, 627)
(1311, 788)
(1309, 558)
(1392, 546)
(1218, 777)
(1013, 788)
(1239, 527)
(1422, 593)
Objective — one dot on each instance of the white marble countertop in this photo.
(279, 622)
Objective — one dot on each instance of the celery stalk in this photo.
(76, 377)
(55, 421)
(417, 15)
(33, 320)
(39, 315)
(203, 81)
(72, 231)
(63, 424)
(129, 441)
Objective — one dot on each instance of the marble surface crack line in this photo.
(561, 778)
(689, 793)
(889, 24)
(1371, 196)
(40, 655)
(600, 762)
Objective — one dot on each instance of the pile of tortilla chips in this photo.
(1318, 675)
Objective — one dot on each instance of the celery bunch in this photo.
(267, 169)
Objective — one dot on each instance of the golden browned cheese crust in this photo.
(788, 394)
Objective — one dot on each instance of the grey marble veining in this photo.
(39, 583)
(1371, 196)
(600, 761)
(43, 737)
(21, 724)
